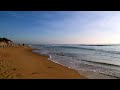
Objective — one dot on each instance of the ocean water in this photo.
(104, 59)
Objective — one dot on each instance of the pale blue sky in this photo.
(61, 27)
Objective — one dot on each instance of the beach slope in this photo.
(22, 63)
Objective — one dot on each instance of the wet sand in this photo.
(22, 63)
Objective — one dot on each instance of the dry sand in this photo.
(22, 63)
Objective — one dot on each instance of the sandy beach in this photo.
(22, 63)
(59, 45)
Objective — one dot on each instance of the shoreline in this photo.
(22, 63)
(87, 74)
(49, 58)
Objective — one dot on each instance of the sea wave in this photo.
(93, 49)
(86, 66)
(60, 54)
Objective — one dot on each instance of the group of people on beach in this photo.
(21, 44)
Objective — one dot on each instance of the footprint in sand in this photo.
(50, 67)
(2, 65)
(35, 73)
(14, 69)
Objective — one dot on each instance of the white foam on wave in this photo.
(78, 65)
(50, 58)
(87, 68)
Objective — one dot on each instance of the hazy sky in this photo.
(57, 27)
